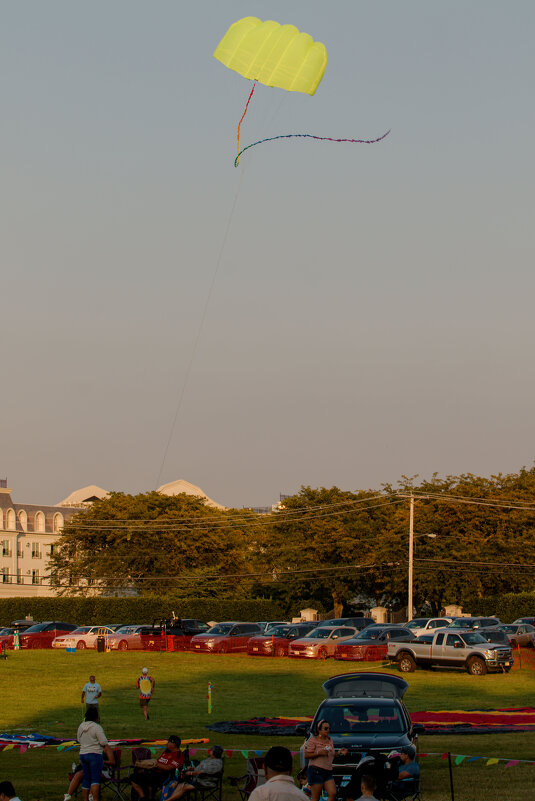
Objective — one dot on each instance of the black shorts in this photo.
(318, 775)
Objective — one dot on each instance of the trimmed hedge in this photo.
(506, 607)
(94, 611)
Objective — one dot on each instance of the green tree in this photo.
(154, 543)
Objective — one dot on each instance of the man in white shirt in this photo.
(91, 692)
(280, 784)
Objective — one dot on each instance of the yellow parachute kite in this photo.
(275, 55)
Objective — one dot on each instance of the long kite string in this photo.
(306, 136)
(239, 125)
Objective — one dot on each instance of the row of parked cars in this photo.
(352, 639)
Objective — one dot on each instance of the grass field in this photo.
(42, 692)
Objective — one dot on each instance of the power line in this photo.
(246, 514)
(224, 524)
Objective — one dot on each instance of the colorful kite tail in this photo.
(303, 136)
(239, 125)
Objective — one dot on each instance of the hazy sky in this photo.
(372, 313)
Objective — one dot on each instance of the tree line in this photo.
(473, 537)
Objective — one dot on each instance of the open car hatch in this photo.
(364, 685)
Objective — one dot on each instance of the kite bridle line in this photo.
(236, 162)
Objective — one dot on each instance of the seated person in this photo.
(146, 780)
(204, 775)
(367, 788)
(408, 770)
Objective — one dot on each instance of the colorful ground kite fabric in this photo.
(457, 721)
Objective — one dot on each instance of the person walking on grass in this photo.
(91, 692)
(145, 685)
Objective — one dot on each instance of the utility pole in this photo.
(411, 554)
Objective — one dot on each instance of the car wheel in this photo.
(406, 663)
(322, 653)
(123, 646)
(80, 645)
(476, 666)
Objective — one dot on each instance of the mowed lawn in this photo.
(42, 689)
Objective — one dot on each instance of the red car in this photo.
(371, 644)
(6, 634)
(42, 634)
(277, 642)
(225, 638)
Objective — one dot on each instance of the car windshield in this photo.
(473, 638)
(319, 634)
(6, 631)
(418, 623)
(277, 631)
(511, 629)
(127, 630)
(221, 628)
(36, 628)
(463, 623)
(81, 630)
(368, 718)
(369, 634)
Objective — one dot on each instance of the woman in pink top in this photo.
(320, 753)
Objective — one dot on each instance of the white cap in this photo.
(145, 670)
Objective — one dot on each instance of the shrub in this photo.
(97, 610)
(507, 607)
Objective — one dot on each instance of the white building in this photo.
(29, 533)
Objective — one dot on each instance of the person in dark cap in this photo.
(409, 770)
(280, 784)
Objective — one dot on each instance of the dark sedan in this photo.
(371, 644)
(358, 623)
(277, 642)
(225, 638)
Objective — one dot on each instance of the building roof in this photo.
(182, 486)
(84, 495)
(87, 495)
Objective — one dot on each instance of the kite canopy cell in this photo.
(273, 54)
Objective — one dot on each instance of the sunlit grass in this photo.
(44, 689)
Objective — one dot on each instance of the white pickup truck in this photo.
(460, 649)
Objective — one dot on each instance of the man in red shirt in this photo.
(146, 780)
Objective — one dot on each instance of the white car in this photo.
(427, 625)
(82, 637)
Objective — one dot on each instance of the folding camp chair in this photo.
(214, 788)
(112, 779)
(406, 789)
(253, 777)
(137, 754)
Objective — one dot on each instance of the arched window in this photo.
(23, 520)
(11, 519)
(39, 522)
(58, 522)
(1, 518)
